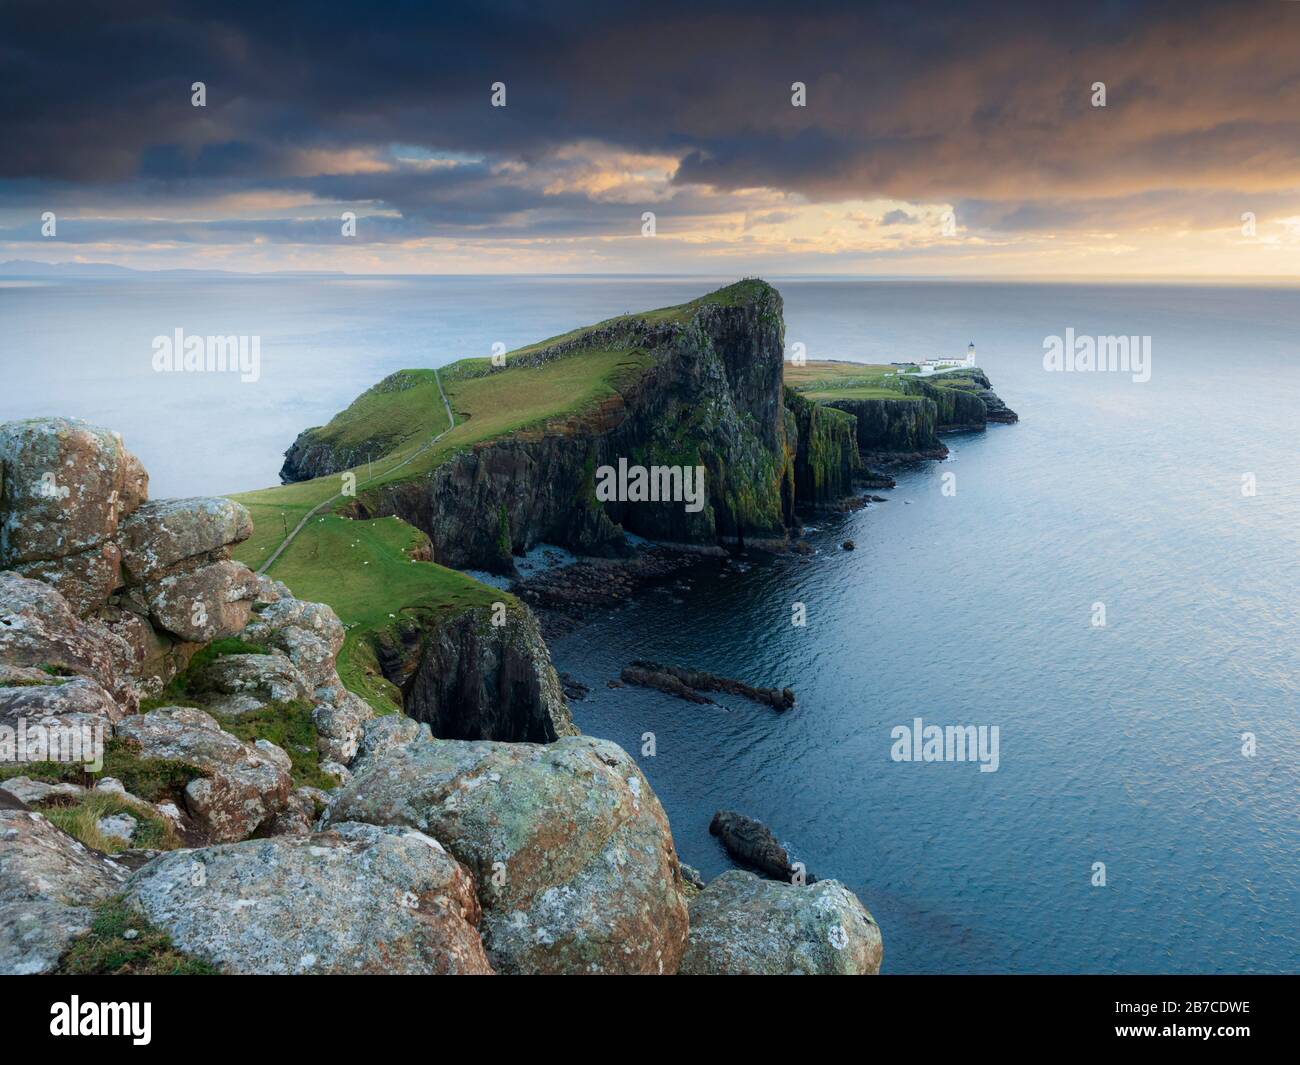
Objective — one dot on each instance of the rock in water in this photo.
(355, 899)
(751, 842)
(742, 925)
(572, 852)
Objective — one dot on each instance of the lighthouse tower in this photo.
(970, 354)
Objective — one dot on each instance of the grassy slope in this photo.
(363, 568)
(825, 381)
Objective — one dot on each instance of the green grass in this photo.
(860, 392)
(105, 950)
(151, 779)
(363, 569)
(829, 374)
(290, 727)
(79, 817)
(178, 691)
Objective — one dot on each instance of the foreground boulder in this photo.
(355, 899)
(743, 925)
(309, 633)
(47, 883)
(235, 684)
(40, 630)
(67, 719)
(240, 786)
(572, 852)
(64, 486)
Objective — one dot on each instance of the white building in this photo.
(936, 365)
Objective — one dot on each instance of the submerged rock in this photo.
(742, 925)
(354, 899)
(752, 843)
(572, 852)
(687, 683)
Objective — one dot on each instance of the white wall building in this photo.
(936, 365)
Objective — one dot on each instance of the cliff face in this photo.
(911, 427)
(894, 425)
(823, 447)
(472, 680)
(711, 397)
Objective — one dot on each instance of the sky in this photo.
(946, 139)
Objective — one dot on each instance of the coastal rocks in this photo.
(742, 925)
(161, 534)
(823, 447)
(571, 850)
(752, 843)
(39, 629)
(64, 486)
(688, 683)
(309, 633)
(379, 735)
(354, 899)
(473, 678)
(240, 786)
(340, 717)
(47, 882)
(42, 718)
(249, 681)
(208, 603)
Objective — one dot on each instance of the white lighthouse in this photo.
(970, 354)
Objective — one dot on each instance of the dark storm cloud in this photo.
(987, 106)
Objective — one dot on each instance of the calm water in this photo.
(1119, 744)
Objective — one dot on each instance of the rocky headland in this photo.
(399, 746)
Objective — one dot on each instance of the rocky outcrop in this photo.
(48, 882)
(752, 843)
(64, 486)
(742, 925)
(158, 576)
(711, 396)
(823, 450)
(909, 427)
(483, 673)
(571, 850)
(309, 633)
(354, 899)
(39, 629)
(240, 786)
(688, 683)
(62, 720)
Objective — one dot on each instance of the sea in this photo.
(1113, 584)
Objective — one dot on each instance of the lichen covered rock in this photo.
(743, 925)
(241, 786)
(47, 882)
(572, 852)
(354, 899)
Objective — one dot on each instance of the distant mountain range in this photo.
(26, 268)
